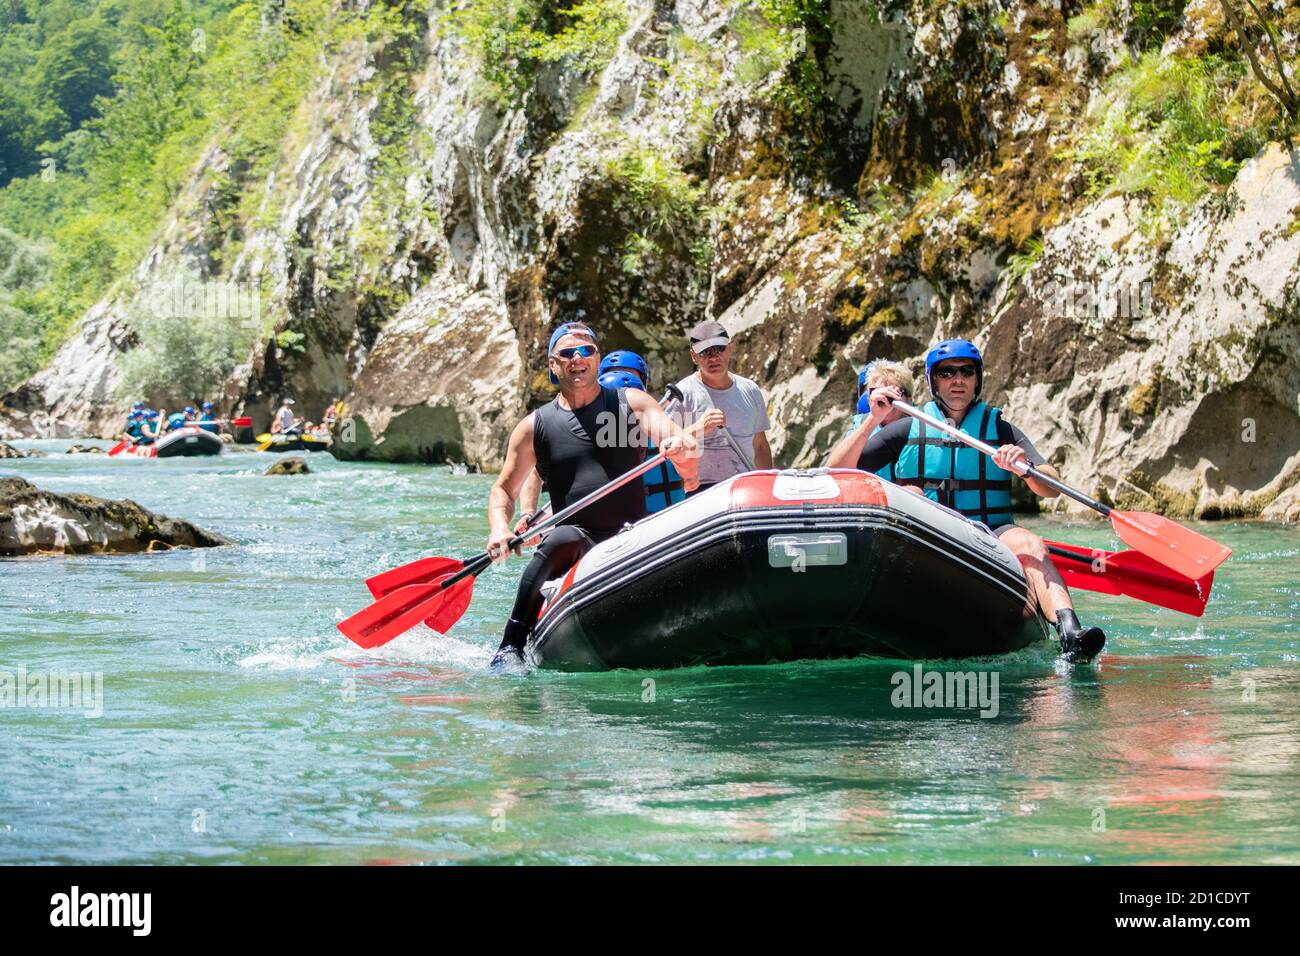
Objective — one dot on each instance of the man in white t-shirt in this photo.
(284, 422)
(731, 407)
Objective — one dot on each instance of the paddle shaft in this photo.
(475, 565)
(1029, 470)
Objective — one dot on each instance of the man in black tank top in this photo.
(580, 441)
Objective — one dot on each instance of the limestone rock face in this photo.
(33, 521)
(928, 191)
(1167, 379)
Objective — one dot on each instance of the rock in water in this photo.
(9, 451)
(85, 450)
(33, 521)
(289, 466)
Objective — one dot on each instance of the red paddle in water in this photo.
(426, 569)
(1131, 574)
(442, 601)
(1183, 550)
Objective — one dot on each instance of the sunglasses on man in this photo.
(711, 351)
(581, 351)
(952, 371)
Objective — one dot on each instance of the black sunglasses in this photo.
(952, 371)
(582, 351)
(711, 351)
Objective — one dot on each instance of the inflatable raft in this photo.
(297, 442)
(780, 566)
(188, 441)
(184, 442)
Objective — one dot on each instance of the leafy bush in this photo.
(511, 39)
(186, 347)
(1172, 129)
(665, 201)
(24, 271)
(786, 35)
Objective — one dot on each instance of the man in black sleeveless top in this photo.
(581, 440)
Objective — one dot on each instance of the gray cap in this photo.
(706, 335)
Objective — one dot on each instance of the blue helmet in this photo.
(862, 378)
(151, 414)
(620, 380)
(207, 406)
(954, 349)
(137, 406)
(864, 403)
(624, 360)
(575, 328)
(189, 409)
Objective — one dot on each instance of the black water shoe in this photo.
(1079, 645)
(507, 660)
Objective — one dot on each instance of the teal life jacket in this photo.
(954, 474)
(176, 420)
(133, 429)
(207, 424)
(663, 485)
(888, 471)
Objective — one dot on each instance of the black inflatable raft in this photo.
(779, 566)
(188, 441)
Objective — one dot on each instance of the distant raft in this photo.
(182, 443)
(780, 566)
(294, 442)
(188, 441)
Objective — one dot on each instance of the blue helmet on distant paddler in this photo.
(861, 395)
(621, 379)
(624, 360)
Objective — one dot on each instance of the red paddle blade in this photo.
(398, 612)
(416, 572)
(116, 449)
(1131, 574)
(455, 601)
(1190, 554)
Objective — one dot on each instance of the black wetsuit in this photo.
(578, 451)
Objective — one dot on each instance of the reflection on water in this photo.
(230, 698)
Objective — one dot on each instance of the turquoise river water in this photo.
(238, 726)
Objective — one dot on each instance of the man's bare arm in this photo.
(680, 446)
(519, 464)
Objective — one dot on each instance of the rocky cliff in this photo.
(835, 180)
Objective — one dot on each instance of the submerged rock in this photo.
(289, 466)
(9, 451)
(33, 521)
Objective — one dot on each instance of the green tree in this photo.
(74, 69)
